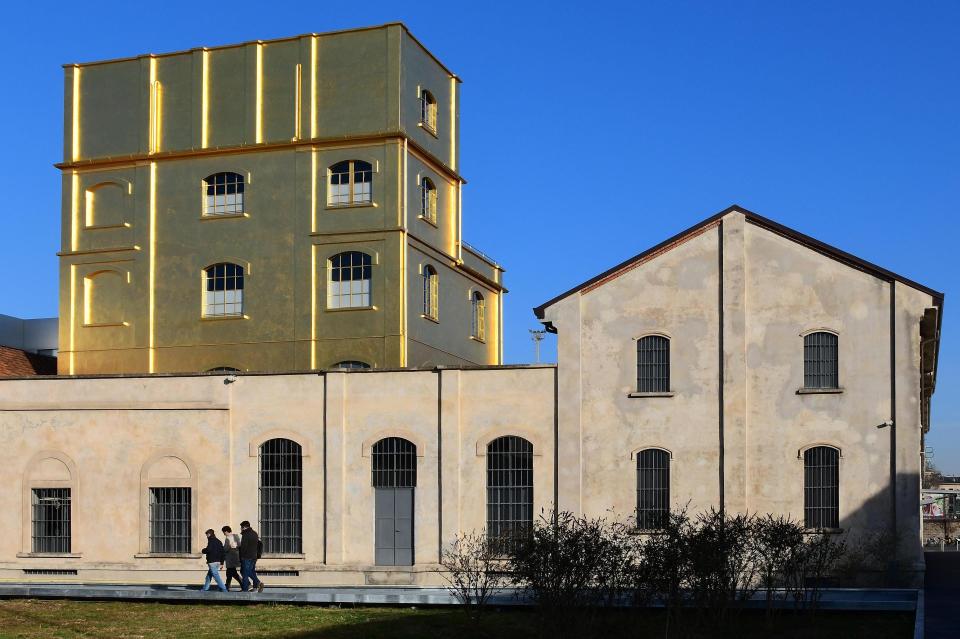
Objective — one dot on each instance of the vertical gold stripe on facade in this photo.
(313, 87)
(153, 141)
(453, 124)
(313, 190)
(297, 99)
(259, 114)
(404, 303)
(313, 306)
(151, 319)
(73, 318)
(74, 211)
(205, 100)
(75, 147)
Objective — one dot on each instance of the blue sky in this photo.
(591, 131)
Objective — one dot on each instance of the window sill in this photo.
(478, 339)
(167, 555)
(823, 531)
(429, 129)
(221, 318)
(225, 216)
(292, 555)
(429, 221)
(644, 531)
(430, 318)
(107, 227)
(105, 324)
(354, 205)
(350, 308)
(820, 391)
(637, 395)
(51, 555)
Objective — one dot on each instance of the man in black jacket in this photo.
(215, 556)
(249, 553)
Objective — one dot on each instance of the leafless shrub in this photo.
(473, 570)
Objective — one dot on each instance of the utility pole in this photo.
(537, 337)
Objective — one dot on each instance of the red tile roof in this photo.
(17, 363)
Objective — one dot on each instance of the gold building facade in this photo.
(284, 205)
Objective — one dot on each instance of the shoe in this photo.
(260, 587)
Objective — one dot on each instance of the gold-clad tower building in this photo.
(290, 204)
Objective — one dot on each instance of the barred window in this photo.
(394, 463)
(351, 364)
(170, 524)
(350, 183)
(478, 320)
(428, 200)
(223, 194)
(509, 490)
(224, 290)
(653, 488)
(821, 487)
(281, 487)
(820, 360)
(431, 292)
(653, 364)
(51, 530)
(349, 285)
(224, 369)
(428, 110)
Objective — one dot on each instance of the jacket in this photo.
(231, 545)
(214, 551)
(249, 542)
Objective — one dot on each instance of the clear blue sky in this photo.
(591, 131)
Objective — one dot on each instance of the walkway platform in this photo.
(832, 599)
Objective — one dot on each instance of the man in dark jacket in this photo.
(215, 556)
(249, 553)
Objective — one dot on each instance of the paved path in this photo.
(942, 595)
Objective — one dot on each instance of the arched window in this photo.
(281, 486)
(394, 463)
(821, 487)
(431, 292)
(820, 360)
(653, 364)
(350, 183)
(653, 488)
(478, 321)
(49, 485)
(223, 194)
(224, 290)
(509, 490)
(394, 475)
(428, 110)
(349, 285)
(351, 365)
(428, 200)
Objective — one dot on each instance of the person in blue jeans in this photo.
(215, 558)
(249, 553)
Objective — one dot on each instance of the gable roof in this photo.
(17, 363)
(813, 244)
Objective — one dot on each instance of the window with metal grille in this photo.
(170, 520)
(821, 487)
(351, 365)
(350, 183)
(428, 200)
(428, 110)
(281, 487)
(394, 463)
(478, 323)
(653, 488)
(49, 571)
(349, 285)
(653, 364)
(223, 194)
(51, 520)
(431, 292)
(224, 369)
(820, 360)
(224, 290)
(509, 491)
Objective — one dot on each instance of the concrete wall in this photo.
(773, 290)
(110, 439)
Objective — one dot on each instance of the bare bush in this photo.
(473, 570)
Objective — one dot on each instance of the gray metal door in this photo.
(394, 527)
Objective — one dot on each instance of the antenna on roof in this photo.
(537, 337)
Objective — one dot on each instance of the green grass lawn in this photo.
(125, 620)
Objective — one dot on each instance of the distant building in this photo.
(292, 204)
(28, 346)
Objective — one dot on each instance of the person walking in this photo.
(249, 553)
(215, 558)
(231, 546)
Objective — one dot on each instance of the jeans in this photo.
(248, 571)
(213, 570)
